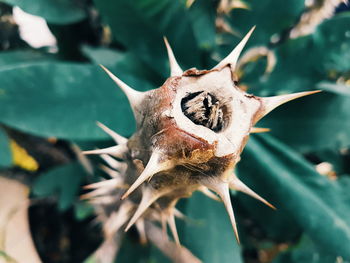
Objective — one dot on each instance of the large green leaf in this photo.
(54, 11)
(125, 61)
(140, 26)
(209, 234)
(202, 14)
(62, 182)
(265, 15)
(318, 205)
(332, 44)
(12, 58)
(65, 100)
(307, 252)
(5, 152)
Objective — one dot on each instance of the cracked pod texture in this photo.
(190, 134)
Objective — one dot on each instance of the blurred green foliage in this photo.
(62, 96)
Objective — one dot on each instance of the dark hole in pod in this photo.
(204, 108)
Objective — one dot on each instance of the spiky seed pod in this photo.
(190, 134)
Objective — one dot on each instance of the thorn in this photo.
(140, 226)
(95, 193)
(153, 166)
(112, 173)
(172, 225)
(117, 219)
(222, 189)
(101, 200)
(115, 164)
(270, 103)
(232, 58)
(208, 193)
(135, 97)
(106, 183)
(116, 137)
(163, 222)
(259, 130)
(148, 198)
(179, 214)
(238, 185)
(175, 69)
(117, 151)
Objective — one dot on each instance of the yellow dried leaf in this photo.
(21, 157)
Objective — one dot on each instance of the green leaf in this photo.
(132, 251)
(54, 11)
(5, 152)
(83, 210)
(308, 252)
(264, 15)
(210, 236)
(332, 44)
(202, 14)
(63, 182)
(122, 61)
(10, 59)
(141, 25)
(317, 205)
(276, 225)
(65, 100)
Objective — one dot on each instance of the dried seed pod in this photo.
(190, 134)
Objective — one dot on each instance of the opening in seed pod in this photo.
(206, 109)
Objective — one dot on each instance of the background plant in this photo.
(50, 102)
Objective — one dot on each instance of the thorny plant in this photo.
(190, 134)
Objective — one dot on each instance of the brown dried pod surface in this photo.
(190, 134)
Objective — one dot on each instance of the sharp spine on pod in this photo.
(175, 69)
(153, 166)
(270, 103)
(115, 164)
(135, 97)
(192, 131)
(222, 189)
(232, 58)
(116, 151)
(115, 136)
(149, 196)
(238, 185)
(259, 130)
(173, 229)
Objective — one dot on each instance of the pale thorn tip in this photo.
(117, 219)
(232, 58)
(112, 173)
(113, 163)
(270, 103)
(118, 150)
(173, 229)
(175, 69)
(238, 185)
(222, 189)
(153, 166)
(140, 226)
(116, 137)
(259, 130)
(148, 198)
(105, 183)
(204, 190)
(135, 97)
